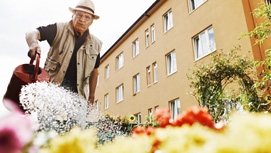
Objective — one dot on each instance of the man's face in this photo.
(81, 21)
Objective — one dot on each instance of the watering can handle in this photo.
(36, 69)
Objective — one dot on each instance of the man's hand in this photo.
(33, 50)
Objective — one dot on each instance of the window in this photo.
(147, 38)
(268, 2)
(106, 72)
(96, 106)
(155, 77)
(135, 48)
(119, 93)
(136, 83)
(204, 43)
(171, 63)
(138, 118)
(106, 101)
(148, 71)
(174, 107)
(156, 108)
(153, 35)
(195, 4)
(150, 113)
(168, 21)
(119, 61)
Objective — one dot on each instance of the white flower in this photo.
(56, 108)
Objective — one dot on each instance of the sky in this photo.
(19, 16)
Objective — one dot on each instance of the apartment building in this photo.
(146, 68)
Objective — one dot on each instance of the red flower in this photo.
(138, 130)
(195, 114)
(163, 117)
(149, 130)
(143, 130)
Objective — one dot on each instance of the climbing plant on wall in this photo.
(261, 33)
(226, 76)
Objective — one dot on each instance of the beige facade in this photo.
(216, 24)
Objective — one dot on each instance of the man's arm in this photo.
(32, 38)
(92, 85)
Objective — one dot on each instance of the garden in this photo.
(224, 121)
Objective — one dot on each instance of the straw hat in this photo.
(85, 6)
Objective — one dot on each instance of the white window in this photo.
(106, 101)
(119, 93)
(168, 21)
(156, 108)
(204, 43)
(119, 61)
(135, 48)
(174, 107)
(106, 72)
(153, 35)
(148, 71)
(150, 112)
(147, 38)
(138, 118)
(171, 63)
(136, 79)
(155, 76)
(195, 4)
(96, 105)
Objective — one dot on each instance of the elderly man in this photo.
(74, 55)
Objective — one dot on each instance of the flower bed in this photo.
(192, 131)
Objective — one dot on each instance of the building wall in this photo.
(228, 18)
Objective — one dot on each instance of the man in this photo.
(74, 55)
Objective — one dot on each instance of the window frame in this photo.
(147, 38)
(168, 21)
(135, 48)
(175, 108)
(120, 93)
(136, 83)
(204, 43)
(155, 72)
(194, 5)
(106, 72)
(106, 101)
(120, 61)
(153, 34)
(171, 62)
(148, 75)
(138, 118)
(96, 105)
(150, 113)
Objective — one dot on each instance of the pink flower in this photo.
(9, 141)
(16, 130)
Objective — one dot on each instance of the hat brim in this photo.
(83, 10)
